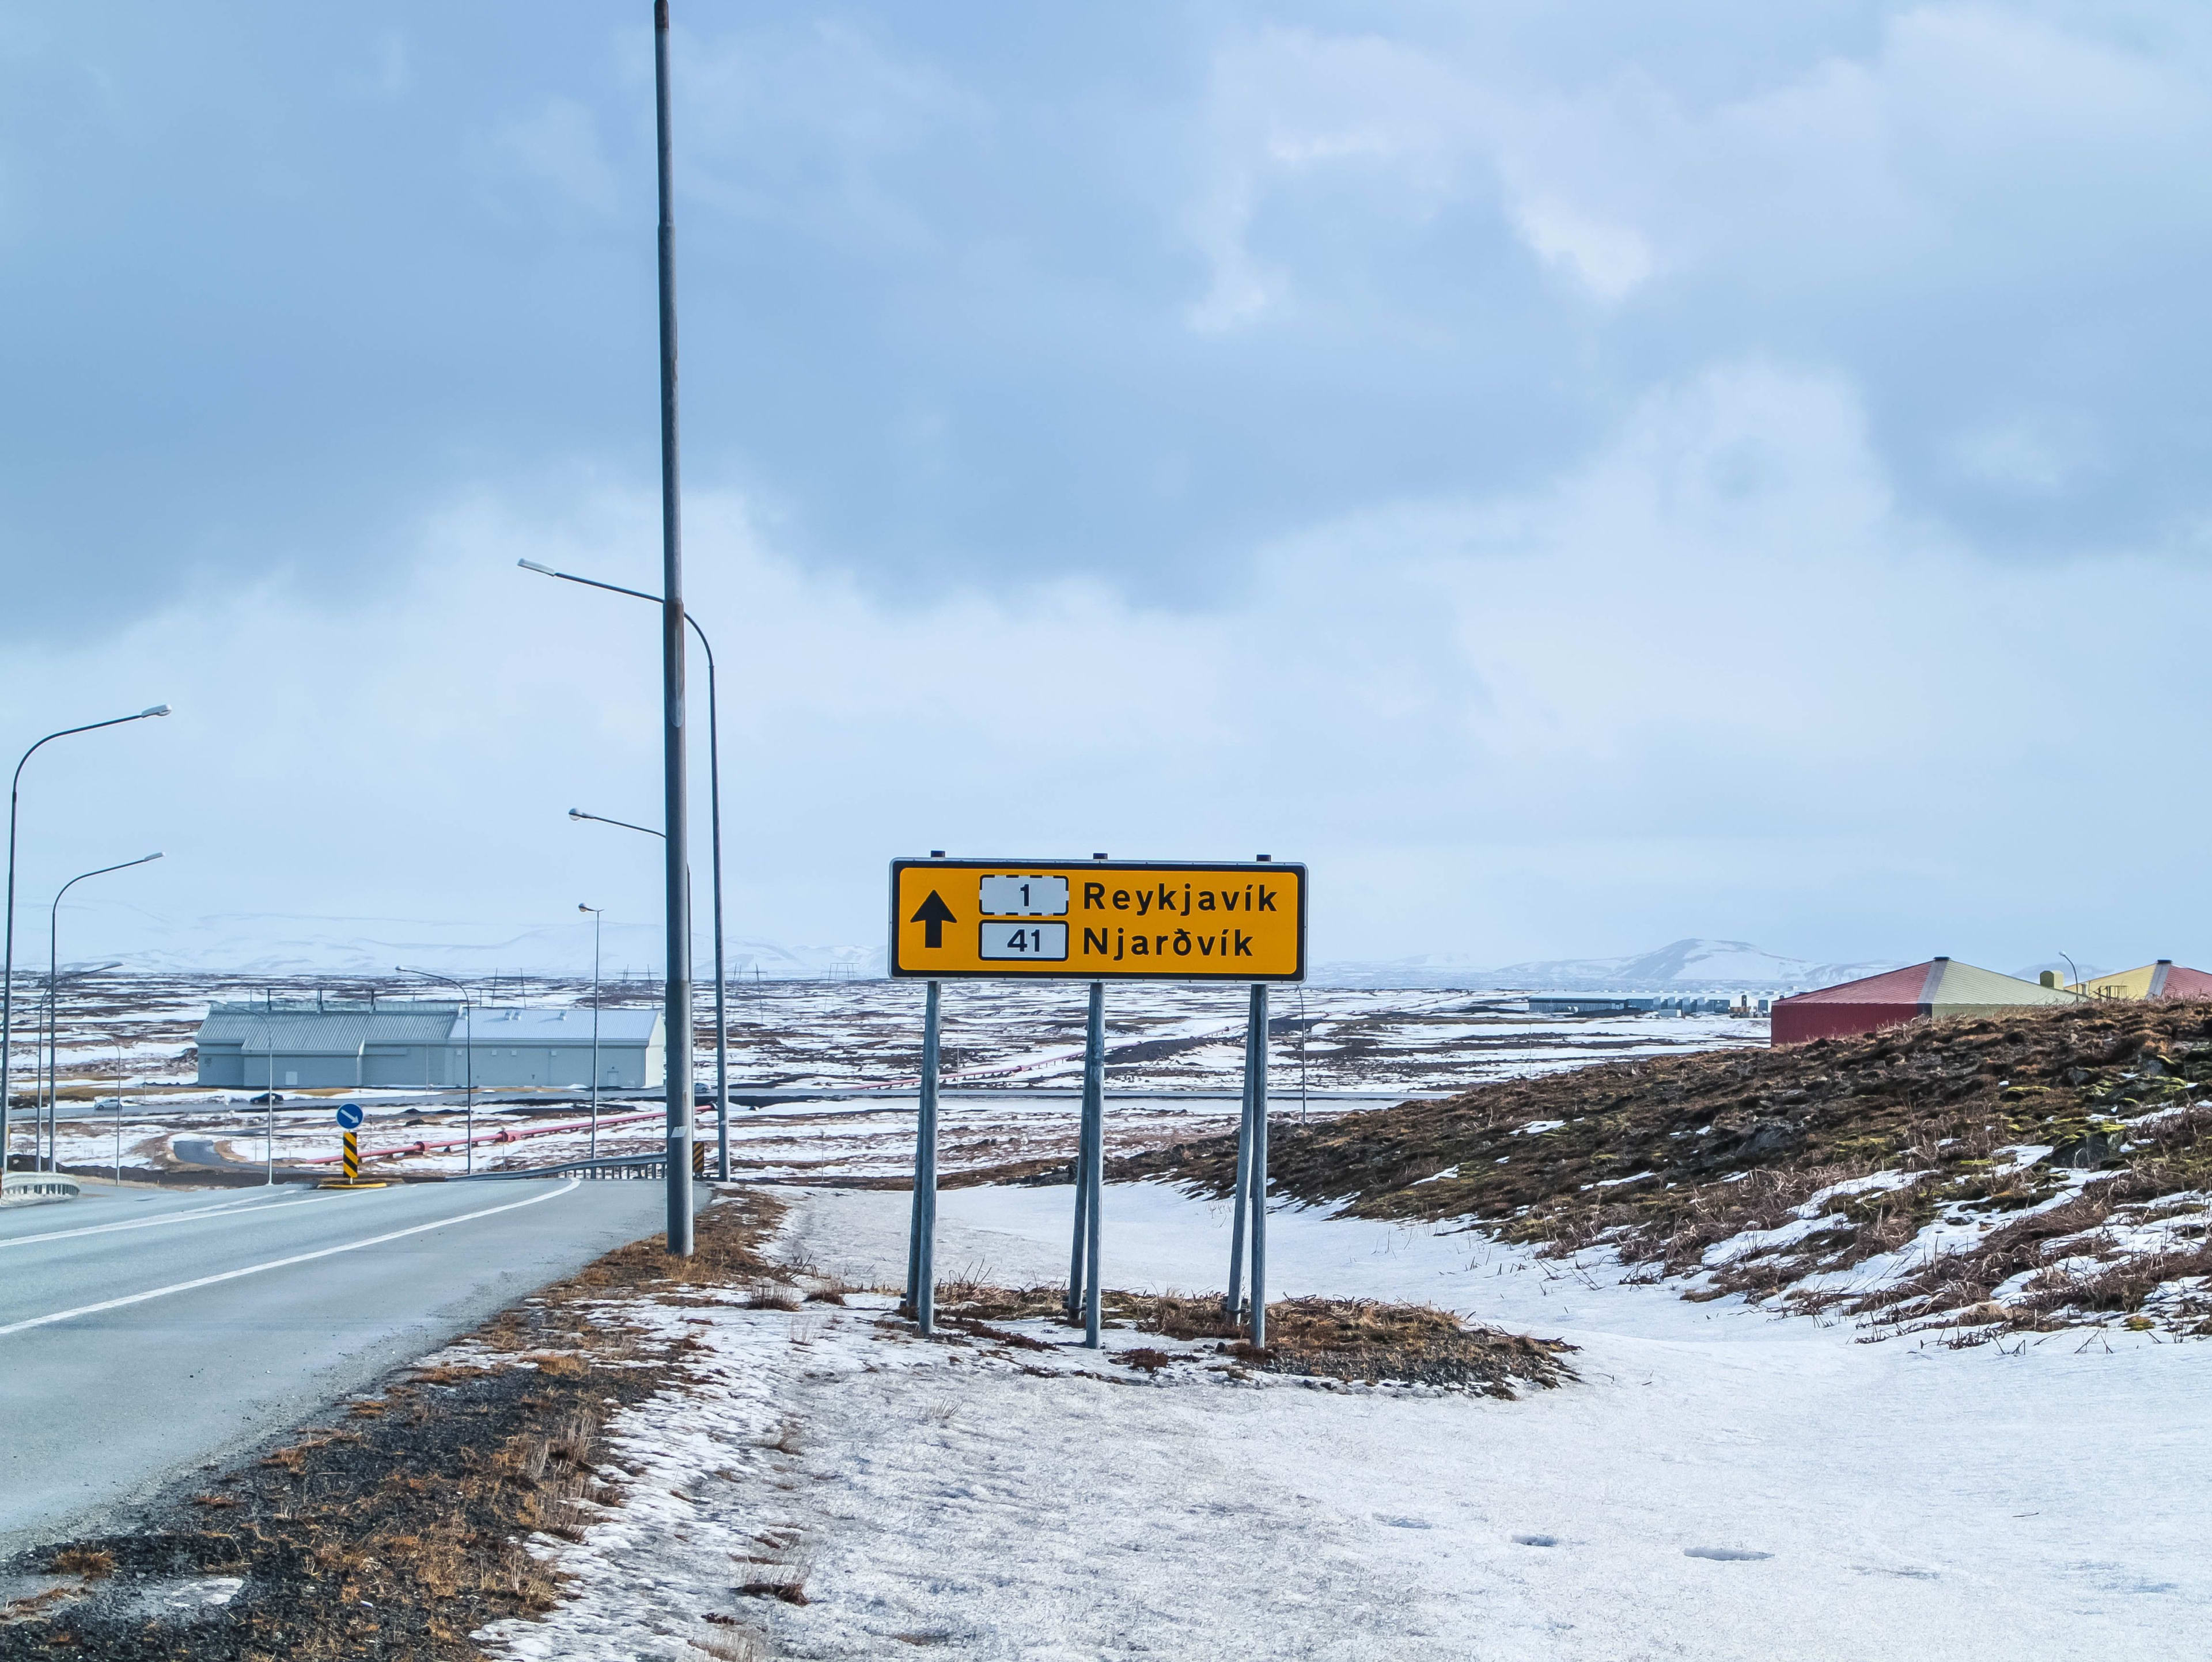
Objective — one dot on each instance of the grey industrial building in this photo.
(424, 1045)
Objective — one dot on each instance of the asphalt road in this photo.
(145, 1334)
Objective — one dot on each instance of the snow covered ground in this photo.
(1173, 1052)
(1720, 1483)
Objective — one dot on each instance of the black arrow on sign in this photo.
(935, 914)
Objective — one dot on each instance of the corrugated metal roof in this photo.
(1943, 984)
(1891, 986)
(2163, 979)
(1961, 988)
(306, 1031)
(342, 1030)
(562, 1027)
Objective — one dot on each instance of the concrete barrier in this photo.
(36, 1188)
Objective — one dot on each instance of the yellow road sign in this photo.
(1098, 920)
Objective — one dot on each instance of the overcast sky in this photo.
(1577, 476)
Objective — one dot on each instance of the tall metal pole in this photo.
(468, 1063)
(925, 1176)
(53, 1002)
(714, 812)
(595, 912)
(43, 1141)
(269, 1037)
(1094, 1175)
(8, 952)
(1093, 1063)
(676, 809)
(721, 981)
(1260, 1165)
(1232, 1305)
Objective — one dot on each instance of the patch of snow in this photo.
(1751, 1242)
(1719, 1486)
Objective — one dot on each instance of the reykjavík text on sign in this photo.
(1098, 920)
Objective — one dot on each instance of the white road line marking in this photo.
(281, 1263)
(221, 1209)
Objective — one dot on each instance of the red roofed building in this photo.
(2163, 979)
(1941, 986)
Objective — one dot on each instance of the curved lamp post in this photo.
(53, 1000)
(714, 813)
(7, 953)
(468, 1062)
(601, 819)
(595, 911)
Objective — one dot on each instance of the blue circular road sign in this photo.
(348, 1116)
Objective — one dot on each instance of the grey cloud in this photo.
(999, 293)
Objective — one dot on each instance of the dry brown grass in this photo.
(1730, 1141)
(1356, 1339)
(405, 1532)
(90, 1563)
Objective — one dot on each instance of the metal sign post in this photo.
(1091, 1180)
(1251, 1211)
(1097, 921)
(921, 1235)
(349, 1129)
(1255, 1071)
(1232, 1305)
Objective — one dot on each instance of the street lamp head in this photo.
(578, 813)
(531, 565)
(158, 710)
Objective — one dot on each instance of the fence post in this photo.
(925, 1187)
(1259, 1113)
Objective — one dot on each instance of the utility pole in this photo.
(676, 811)
(8, 954)
(595, 911)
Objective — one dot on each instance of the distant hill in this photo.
(265, 945)
(1694, 965)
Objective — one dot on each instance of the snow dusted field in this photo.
(1013, 1056)
(1720, 1483)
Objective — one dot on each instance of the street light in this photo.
(53, 1003)
(578, 813)
(595, 911)
(468, 1062)
(601, 819)
(8, 954)
(715, 814)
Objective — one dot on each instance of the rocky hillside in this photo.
(2041, 1169)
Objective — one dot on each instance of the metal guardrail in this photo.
(613, 1166)
(29, 1188)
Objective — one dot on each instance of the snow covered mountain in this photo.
(1693, 964)
(372, 946)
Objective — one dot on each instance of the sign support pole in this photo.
(1092, 1180)
(1092, 1053)
(924, 1274)
(1082, 1200)
(1233, 1304)
(676, 809)
(913, 1228)
(1259, 1113)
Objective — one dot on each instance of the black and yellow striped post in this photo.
(349, 1126)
